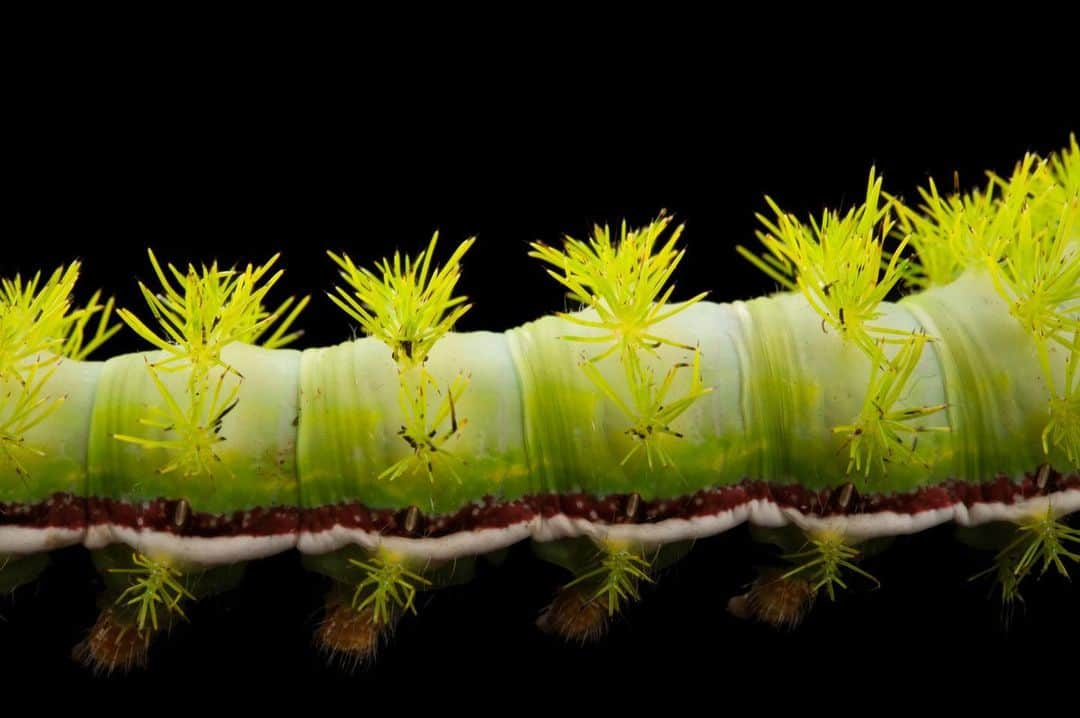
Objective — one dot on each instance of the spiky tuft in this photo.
(155, 586)
(618, 571)
(388, 588)
(877, 432)
(823, 563)
(838, 263)
(411, 306)
(207, 310)
(37, 329)
(625, 281)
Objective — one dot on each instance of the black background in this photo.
(242, 156)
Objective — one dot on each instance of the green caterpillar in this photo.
(824, 415)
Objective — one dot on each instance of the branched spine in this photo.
(1041, 542)
(837, 263)
(841, 267)
(626, 283)
(24, 407)
(619, 570)
(155, 585)
(1026, 231)
(879, 429)
(823, 563)
(387, 589)
(1063, 429)
(38, 330)
(409, 307)
(210, 309)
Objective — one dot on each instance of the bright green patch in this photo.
(953, 232)
(1042, 541)
(1034, 262)
(1024, 229)
(79, 341)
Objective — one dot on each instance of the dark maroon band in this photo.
(59, 510)
(174, 515)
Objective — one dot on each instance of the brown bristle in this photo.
(773, 599)
(576, 615)
(349, 636)
(114, 644)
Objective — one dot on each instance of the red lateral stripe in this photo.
(169, 515)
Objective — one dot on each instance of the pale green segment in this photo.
(998, 398)
(351, 415)
(780, 384)
(257, 466)
(805, 380)
(532, 422)
(577, 438)
(63, 466)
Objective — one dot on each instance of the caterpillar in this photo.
(831, 416)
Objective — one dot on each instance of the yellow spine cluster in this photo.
(155, 585)
(618, 571)
(840, 265)
(1025, 230)
(625, 282)
(1038, 273)
(206, 310)
(823, 561)
(37, 330)
(836, 262)
(409, 306)
(1040, 542)
(880, 426)
(388, 588)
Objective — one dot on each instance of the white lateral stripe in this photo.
(201, 551)
(20, 540)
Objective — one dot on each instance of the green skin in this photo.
(62, 467)
(318, 427)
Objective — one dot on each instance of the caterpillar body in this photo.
(826, 416)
